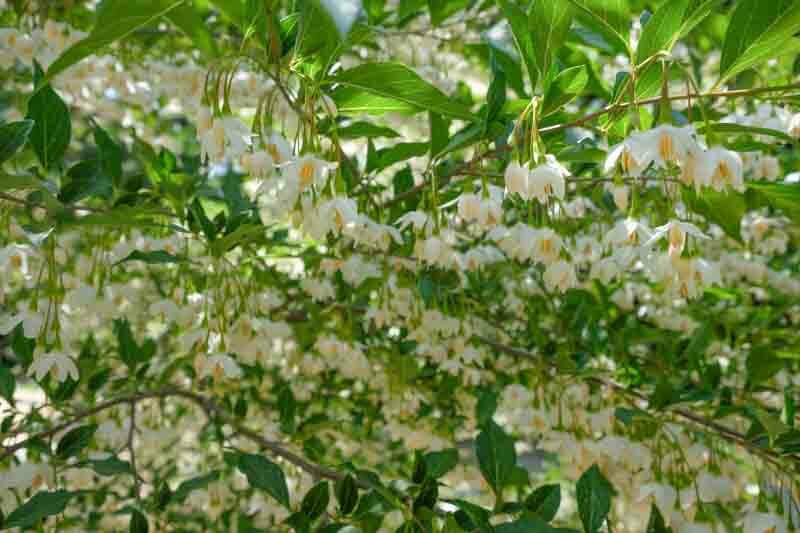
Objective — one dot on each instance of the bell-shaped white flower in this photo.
(676, 232)
(308, 170)
(547, 180)
(516, 177)
(59, 365)
(32, 322)
(278, 148)
(664, 496)
(218, 365)
(228, 137)
(722, 169)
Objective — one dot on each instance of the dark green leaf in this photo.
(725, 209)
(656, 523)
(593, 493)
(138, 522)
(41, 505)
(386, 157)
(52, 130)
(75, 441)
(496, 455)
(662, 30)
(190, 485)
(565, 87)
(128, 349)
(110, 153)
(265, 475)
(347, 494)
(315, 501)
(7, 384)
(110, 466)
(13, 136)
(609, 18)
(187, 19)
(439, 463)
(517, 19)
(544, 501)
(358, 130)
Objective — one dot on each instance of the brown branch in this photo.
(212, 410)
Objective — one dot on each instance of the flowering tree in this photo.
(404, 266)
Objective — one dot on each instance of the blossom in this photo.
(278, 148)
(59, 365)
(227, 137)
(547, 180)
(32, 322)
(516, 177)
(676, 232)
(664, 496)
(308, 170)
(723, 168)
(218, 365)
(560, 275)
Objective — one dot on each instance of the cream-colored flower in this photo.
(59, 365)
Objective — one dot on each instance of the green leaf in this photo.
(41, 505)
(725, 209)
(656, 523)
(439, 463)
(395, 82)
(319, 39)
(265, 475)
(609, 18)
(544, 501)
(347, 494)
(522, 37)
(386, 157)
(110, 466)
(86, 179)
(7, 384)
(549, 23)
(13, 136)
(762, 364)
(725, 128)
(187, 19)
(128, 349)
(315, 501)
(593, 493)
(75, 441)
(757, 31)
(565, 87)
(193, 484)
(52, 130)
(783, 196)
(525, 524)
(116, 19)
(138, 522)
(156, 257)
(110, 153)
(496, 455)
(442, 9)
(662, 30)
(367, 130)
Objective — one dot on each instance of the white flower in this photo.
(676, 232)
(258, 163)
(418, 220)
(32, 322)
(59, 365)
(723, 168)
(560, 275)
(517, 179)
(664, 496)
(217, 365)
(668, 144)
(629, 232)
(756, 522)
(278, 148)
(228, 137)
(308, 170)
(547, 180)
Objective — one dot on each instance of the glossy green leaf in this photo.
(315, 502)
(496, 455)
(437, 464)
(13, 136)
(155, 257)
(549, 23)
(265, 475)
(191, 485)
(517, 19)
(347, 494)
(594, 493)
(116, 19)
(138, 523)
(40, 506)
(52, 130)
(757, 31)
(609, 18)
(7, 384)
(75, 440)
(544, 501)
(565, 87)
(396, 82)
(725, 209)
(662, 30)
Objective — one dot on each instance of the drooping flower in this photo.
(756, 522)
(59, 365)
(547, 180)
(676, 232)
